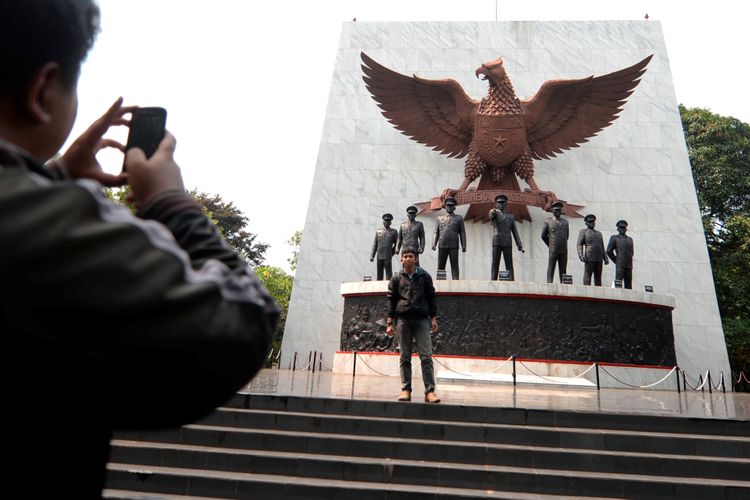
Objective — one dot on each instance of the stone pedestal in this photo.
(530, 320)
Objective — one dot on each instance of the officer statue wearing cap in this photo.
(504, 225)
(620, 250)
(384, 247)
(448, 232)
(555, 236)
(591, 251)
(411, 232)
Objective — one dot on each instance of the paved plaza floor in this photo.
(325, 384)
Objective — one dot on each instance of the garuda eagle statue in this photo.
(500, 133)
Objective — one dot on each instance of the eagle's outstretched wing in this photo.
(437, 113)
(566, 113)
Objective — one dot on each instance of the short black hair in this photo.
(410, 250)
(35, 32)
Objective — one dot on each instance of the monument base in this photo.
(493, 319)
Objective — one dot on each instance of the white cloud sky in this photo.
(240, 79)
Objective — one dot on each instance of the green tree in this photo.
(719, 149)
(232, 223)
(295, 242)
(279, 285)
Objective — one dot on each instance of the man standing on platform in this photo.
(411, 304)
(555, 236)
(384, 246)
(448, 232)
(591, 251)
(411, 233)
(620, 250)
(504, 226)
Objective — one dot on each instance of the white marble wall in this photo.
(637, 169)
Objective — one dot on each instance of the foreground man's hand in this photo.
(80, 159)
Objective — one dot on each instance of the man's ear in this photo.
(41, 92)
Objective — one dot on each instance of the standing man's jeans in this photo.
(409, 330)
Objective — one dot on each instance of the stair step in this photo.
(259, 486)
(332, 466)
(446, 433)
(136, 495)
(509, 482)
(481, 414)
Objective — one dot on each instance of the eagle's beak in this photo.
(481, 73)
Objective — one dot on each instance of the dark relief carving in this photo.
(499, 326)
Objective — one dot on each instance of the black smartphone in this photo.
(147, 127)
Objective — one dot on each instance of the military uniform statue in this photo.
(411, 232)
(504, 226)
(620, 250)
(555, 236)
(448, 232)
(591, 251)
(384, 247)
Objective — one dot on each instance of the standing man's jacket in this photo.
(411, 298)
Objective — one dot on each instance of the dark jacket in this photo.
(620, 250)
(411, 234)
(413, 297)
(384, 244)
(555, 235)
(112, 321)
(591, 246)
(504, 225)
(449, 231)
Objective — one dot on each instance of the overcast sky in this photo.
(240, 78)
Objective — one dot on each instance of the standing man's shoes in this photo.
(405, 396)
(431, 397)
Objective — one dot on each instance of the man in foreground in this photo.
(109, 320)
(411, 305)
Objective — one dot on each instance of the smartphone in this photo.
(147, 127)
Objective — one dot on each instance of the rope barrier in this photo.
(540, 376)
(307, 368)
(473, 374)
(639, 386)
(718, 384)
(323, 364)
(742, 377)
(703, 381)
(686, 380)
(586, 371)
(376, 371)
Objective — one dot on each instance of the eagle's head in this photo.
(492, 71)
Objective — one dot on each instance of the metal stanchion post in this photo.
(723, 385)
(309, 359)
(514, 369)
(314, 360)
(677, 372)
(710, 383)
(320, 361)
(294, 362)
(354, 371)
(596, 367)
(684, 381)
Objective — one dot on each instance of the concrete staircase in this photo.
(295, 447)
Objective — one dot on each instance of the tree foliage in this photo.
(279, 285)
(295, 242)
(719, 149)
(232, 223)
